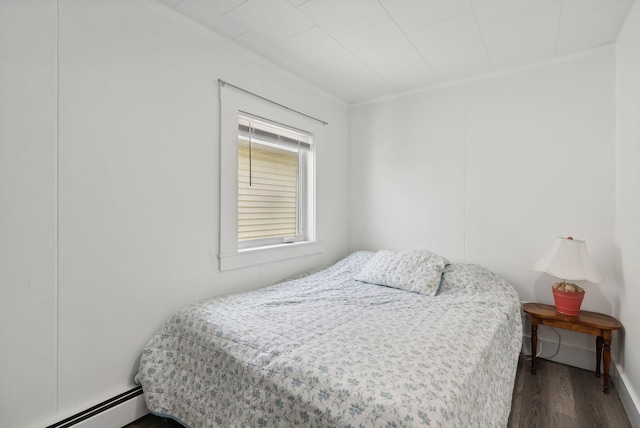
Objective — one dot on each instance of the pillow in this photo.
(468, 279)
(418, 271)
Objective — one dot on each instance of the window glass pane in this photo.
(269, 185)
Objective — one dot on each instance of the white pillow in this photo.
(418, 271)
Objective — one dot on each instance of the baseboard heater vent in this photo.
(98, 408)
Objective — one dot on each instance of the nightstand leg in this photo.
(534, 343)
(598, 354)
(606, 356)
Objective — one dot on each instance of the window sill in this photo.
(272, 253)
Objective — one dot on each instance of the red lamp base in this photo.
(567, 303)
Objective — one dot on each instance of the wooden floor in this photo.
(557, 396)
(563, 396)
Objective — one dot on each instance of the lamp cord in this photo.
(528, 357)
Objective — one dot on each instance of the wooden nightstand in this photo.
(599, 325)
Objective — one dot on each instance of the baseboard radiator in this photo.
(131, 402)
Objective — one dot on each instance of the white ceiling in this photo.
(360, 50)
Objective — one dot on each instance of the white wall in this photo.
(628, 200)
(491, 171)
(28, 143)
(131, 178)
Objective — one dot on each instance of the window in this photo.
(272, 182)
(267, 181)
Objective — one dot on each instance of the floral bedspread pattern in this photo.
(325, 350)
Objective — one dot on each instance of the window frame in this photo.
(304, 153)
(231, 256)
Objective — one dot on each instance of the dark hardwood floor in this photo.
(557, 396)
(563, 396)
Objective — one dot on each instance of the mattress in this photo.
(325, 350)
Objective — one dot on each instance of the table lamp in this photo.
(568, 259)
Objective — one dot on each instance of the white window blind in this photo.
(271, 188)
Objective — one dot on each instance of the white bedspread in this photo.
(325, 350)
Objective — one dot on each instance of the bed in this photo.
(328, 350)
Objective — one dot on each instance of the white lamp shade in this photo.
(569, 259)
